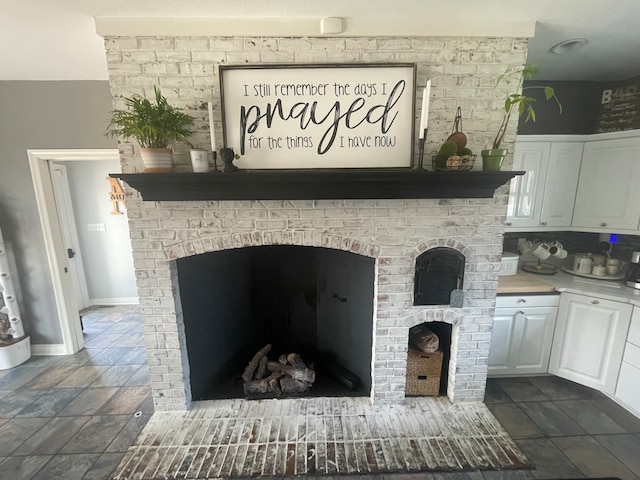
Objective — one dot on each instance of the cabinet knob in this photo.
(509, 224)
(522, 300)
(603, 224)
(595, 302)
(543, 223)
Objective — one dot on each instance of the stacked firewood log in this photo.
(288, 375)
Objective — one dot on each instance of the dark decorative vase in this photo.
(492, 159)
(228, 155)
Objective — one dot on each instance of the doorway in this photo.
(43, 176)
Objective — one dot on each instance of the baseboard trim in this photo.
(114, 301)
(49, 349)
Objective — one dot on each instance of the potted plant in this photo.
(155, 125)
(492, 158)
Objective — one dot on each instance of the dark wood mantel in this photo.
(318, 184)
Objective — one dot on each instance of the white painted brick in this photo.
(277, 57)
(205, 57)
(225, 43)
(294, 44)
(191, 43)
(390, 229)
(239, 58)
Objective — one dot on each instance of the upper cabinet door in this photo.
(561, 184)
(525, 195)
(609, 185)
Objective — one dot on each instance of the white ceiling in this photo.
(57, 39)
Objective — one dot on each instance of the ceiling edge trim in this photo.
(305, 27)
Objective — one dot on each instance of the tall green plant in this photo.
(519, 99)
(152, 124)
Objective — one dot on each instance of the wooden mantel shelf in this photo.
(382, 183)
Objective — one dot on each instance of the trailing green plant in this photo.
(153, 124)
(521, 101)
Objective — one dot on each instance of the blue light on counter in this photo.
(614, 238)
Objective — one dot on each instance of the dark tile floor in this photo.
(566, 430)
(73, 417)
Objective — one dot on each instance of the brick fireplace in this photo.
(391, 232)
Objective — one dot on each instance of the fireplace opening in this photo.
(315, 302)
(439, 273)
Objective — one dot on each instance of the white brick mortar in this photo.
(394, 232)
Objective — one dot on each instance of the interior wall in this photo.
(284, 298)
(106, 255)
(345, 310)
(580, 106)
(218, 319)
(41, 115)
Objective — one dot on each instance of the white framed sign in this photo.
(319, 116)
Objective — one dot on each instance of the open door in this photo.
(69, 230)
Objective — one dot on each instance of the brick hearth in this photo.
(320, 436)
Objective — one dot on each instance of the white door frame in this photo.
(72, 338)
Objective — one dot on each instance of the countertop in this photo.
(524, 282)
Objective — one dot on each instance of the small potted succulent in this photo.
(492, 158)
(155, 125)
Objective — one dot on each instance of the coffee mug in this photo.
(542, 251)
(582, 263)
(613, 266)
(557, 250)
(599, 270)
(612, 269)
(525, 246)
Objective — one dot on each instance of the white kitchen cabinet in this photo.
(545, 195)
(608, 195)
(522, 334)
(628, 388)
(561, 184)
(589, 340)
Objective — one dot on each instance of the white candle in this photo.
(212, 132)
(424, 114)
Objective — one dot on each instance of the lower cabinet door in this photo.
(521, 340)
(589, 340)
(535, 327)
(499, 360)
(628, 389)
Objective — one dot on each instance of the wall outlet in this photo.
(96, 227)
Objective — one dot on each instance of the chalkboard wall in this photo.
(580, 106)
(619, 107)
(587, 107)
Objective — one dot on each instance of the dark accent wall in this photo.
(619, 106)
(580, 107)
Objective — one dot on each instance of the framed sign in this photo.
(319, 116)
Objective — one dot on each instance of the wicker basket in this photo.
(423, 373)
(454, 163)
